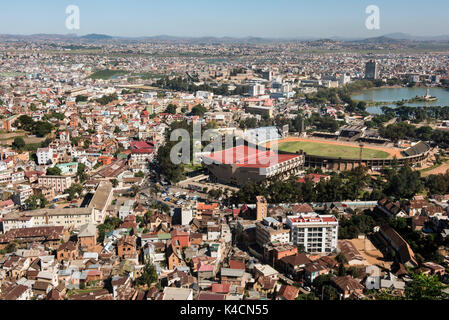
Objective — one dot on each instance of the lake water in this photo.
(397, 94)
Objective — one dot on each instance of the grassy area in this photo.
(192, 167)
(329, 150)
(80, 291)
(12, 74)
(107, 74)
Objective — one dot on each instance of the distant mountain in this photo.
(385, 39)
(95, 36)
(405, 36)
(379, 40)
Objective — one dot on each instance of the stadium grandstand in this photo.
(262, 135)
(243, 164)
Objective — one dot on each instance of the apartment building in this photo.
(67, 217)
(44, 156)
(59, 183)
(270, 230)
(316, 233)
(22, 193)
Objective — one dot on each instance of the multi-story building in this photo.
(59, 183)
(67, 217)
(141, 152)
(270, 230)
(316, 233)
(21, 194)
(44, 156)
(101, 200)
(256, 90)
(243, 164)
(70, 168)
(371, 70)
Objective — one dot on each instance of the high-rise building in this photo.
(371, 70)
(316, 233)
(256, 90)
(262, 208)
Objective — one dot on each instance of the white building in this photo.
(44, 156)
(316, 233)
(256, 90)
(22, 193)
(126, 209)
(67, 217)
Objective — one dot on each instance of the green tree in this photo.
(114, 183)
(54, 171)
(74, 191)
(18, 143)
(424, 287)
(110, 224)
(36, 201)
(171, 108)
(198, 110)
(149, 275)
(81, 172)
(139, 174)
(41, 128)
(134, 190)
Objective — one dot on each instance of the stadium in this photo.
(333, 154)
(269, 152)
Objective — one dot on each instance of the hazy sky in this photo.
(263, 18)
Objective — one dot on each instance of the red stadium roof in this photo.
(244, 156)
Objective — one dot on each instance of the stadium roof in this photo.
(244, 156)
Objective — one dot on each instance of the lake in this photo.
(396, 94)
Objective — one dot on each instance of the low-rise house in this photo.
(177, 294)
(126, 245)
(67, 251)
(17, 292)
(432, 268)
(208, 296)
(350, 252)
(87, 237)
(233, 276)
(391, 208)
(347, 286)
(265, 285)
(294, 265)
(392, 282)
(372, 280)
(265, 271)
(49, 236)
(120, 285)
(287, 293)
(314, 269)
(399, 245)
(174, 257)
(154, 252)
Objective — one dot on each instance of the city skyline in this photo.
(284, 19)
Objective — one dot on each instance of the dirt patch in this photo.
(438, 170)
(370, 253)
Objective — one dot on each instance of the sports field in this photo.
(333, 149)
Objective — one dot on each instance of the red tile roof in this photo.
(244, 156)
